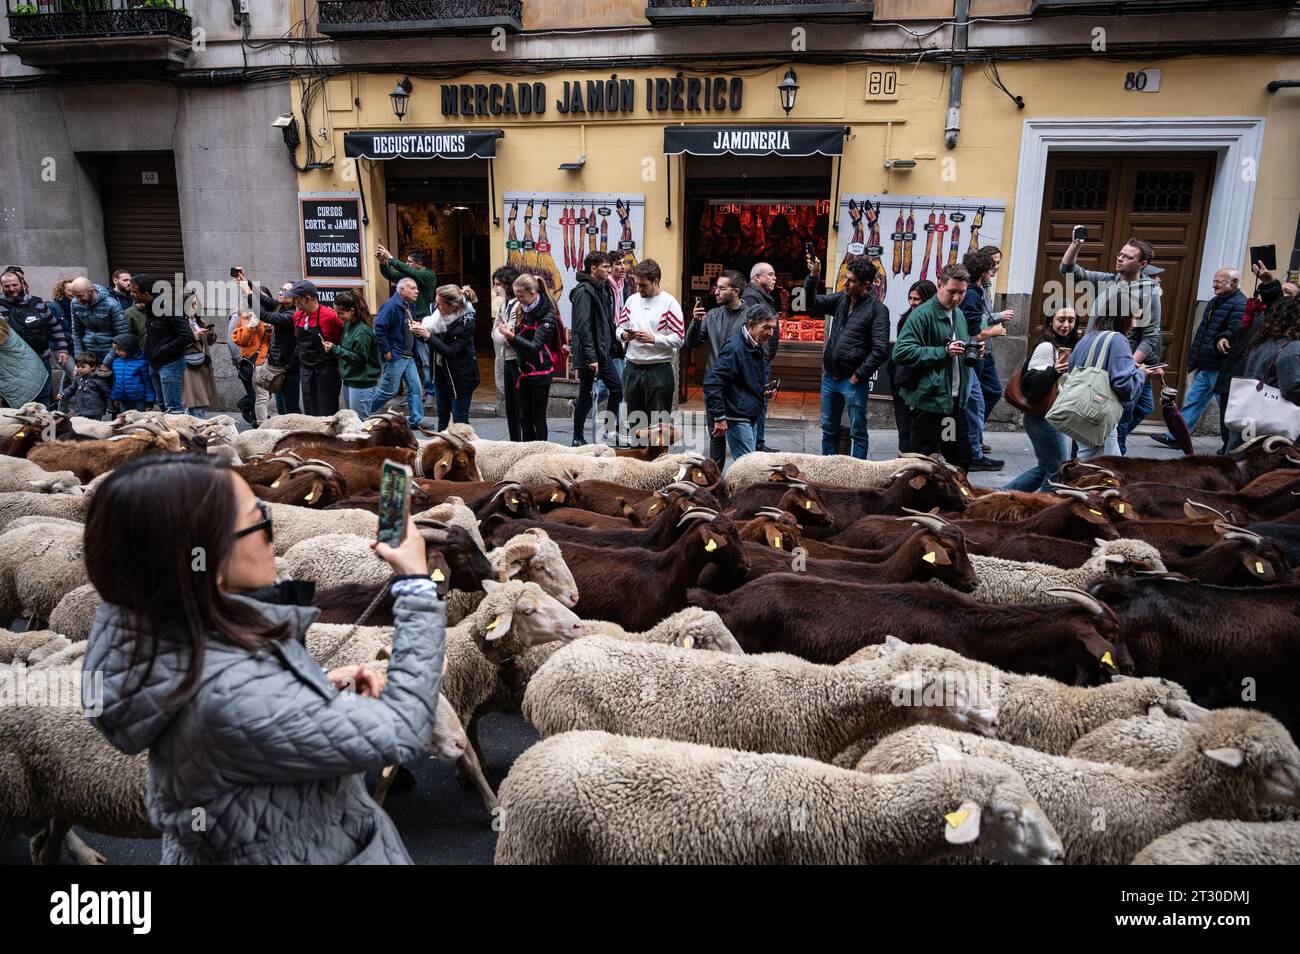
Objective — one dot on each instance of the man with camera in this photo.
(937, 343)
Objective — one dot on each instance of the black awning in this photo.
(422, 144)
(774, 140)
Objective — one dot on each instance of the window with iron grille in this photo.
(1081, 190)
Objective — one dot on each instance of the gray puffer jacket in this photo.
(260, 762)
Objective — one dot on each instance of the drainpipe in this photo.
(961, 27)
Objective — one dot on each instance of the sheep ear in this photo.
(499, 626)
(894, 644)
(962, 826)
(440, 572)
(946, 753)
(491, 586)
(1099, 541)
(911, 681)
(1188, 711)
(1155, 712)
(1230, 756)
(1257, 567)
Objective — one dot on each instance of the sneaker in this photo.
(986, 449)
(764, 449)
(1167, 440)
(578, 442)
(986, 463)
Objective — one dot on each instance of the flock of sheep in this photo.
(816, 660)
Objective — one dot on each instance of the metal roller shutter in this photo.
(142, 222)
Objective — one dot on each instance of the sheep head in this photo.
(515, 616)
(957, 698)
(1251, 752)
(532, 556)
(1124, 556)
(702, 629)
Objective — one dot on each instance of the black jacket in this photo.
(458, 366)
(35, 322)
(1223, 314)
(1234, 364)
(733, 386)
(535, 342)
(592, 322)
(284, 341)
(166, 337)
(857, 341)
(753, 295)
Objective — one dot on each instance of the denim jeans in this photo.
(1108, 449)
(1145, 405)
(360, 399)
(395, 372)
(200, 412)
(740, 438)
(607, 379)
(975, 416)
(287, 399)
(449, 408)
(167, 386)
(1049, 450)
(835, 395)
(1198, 398)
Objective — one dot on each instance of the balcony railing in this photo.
(393, 18)
(1120, 7)
(63, 19)
(672, 12)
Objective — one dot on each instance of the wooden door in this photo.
(1162, 198)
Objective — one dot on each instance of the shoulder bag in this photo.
(1086, 407)
(1260, 408)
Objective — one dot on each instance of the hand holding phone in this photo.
(394, 503)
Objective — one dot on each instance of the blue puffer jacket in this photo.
(131, 379)
(1223, 314)
(94, 326)
(733, 386)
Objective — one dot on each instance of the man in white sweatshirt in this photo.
(652, 329)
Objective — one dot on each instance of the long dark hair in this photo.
(355, 302)
(158, 530)
(1282, 321)
(1048, 334)
(926, 289)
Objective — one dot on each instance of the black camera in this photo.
(972, 345)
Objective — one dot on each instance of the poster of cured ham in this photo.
(549, 233)
(911, 238)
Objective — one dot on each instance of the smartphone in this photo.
(1155, 367)
(808, 250)
(235, 271)
(394, 502)
(1081, 233)
(773, 384)
(1266, 254)
(1062, 353)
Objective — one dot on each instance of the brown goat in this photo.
(1246, 463)
(450, 458)
(89, 459)
(1013, 505)
(312, 484)
(381, 429)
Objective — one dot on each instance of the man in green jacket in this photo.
(932, 344)
(416, 267)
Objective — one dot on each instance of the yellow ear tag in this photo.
(688, 642)
(776, 541)
(1106, 660)
(965, 491)
(20, 434)
(1259, 568)
(513, 501)
(930, 557)
(368, 427)
(277, 482)
(437, 577)
(710, 546)
(681, 472)
(1097, 512)
(954, 819)
(555, 496)
(495, 623)
(653, 507)
(310, 494)
(807, 505)
(1119, 507)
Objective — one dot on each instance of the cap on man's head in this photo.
(304, 289)
(1151, 271)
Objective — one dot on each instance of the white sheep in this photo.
(296, 524)
(1237, 761)
(26, 503)
(628, 471)
(530, 557)
(594, 798)
(1225, 843)
(495, 458)
(1033, 711)
(40, 562)
(18, 473)
(89, 427)
(256, 442)
(335, 559)
(453, 511)
(833, 469)
(74, 614)
(727, 700)
(345, 421)
(30, 647)
(1013, 581)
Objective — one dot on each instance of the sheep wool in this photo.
(40, 562)
(296, 524)
(19, 474)
(1225, 843)
(834, 469)
(1011, 581)
(629, 471)
(594, 798)
(74, 615)
(27, 503)
(495, 458)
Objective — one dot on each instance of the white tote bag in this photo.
(1260, 408)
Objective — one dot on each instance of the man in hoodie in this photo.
(394, 327)
(97, 319)
(592, 303)
(716, 327)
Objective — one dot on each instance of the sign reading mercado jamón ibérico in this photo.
(678, 94)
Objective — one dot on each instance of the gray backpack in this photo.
(1086, 407)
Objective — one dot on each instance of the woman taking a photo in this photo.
(450, 334)
(533, 336)
(917, 295)
(203, 664)
(358, 352)
(1049, 360)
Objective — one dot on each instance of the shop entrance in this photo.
(440, 207)
(744, 210)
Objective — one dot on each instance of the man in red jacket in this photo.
(314, 324)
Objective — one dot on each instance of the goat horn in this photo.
(1070, 492)
(683, 486)
(928, 521)
(1248, 535)
(1274, 442)
(289, 458)
(1110, 492)
(1091, 603)
(693, 458)
(924, 513)
(698, 513)
(1097, 467)
(772, 512)
(1191, 506)
(323, 463)
(324, 470)
(1245, 446)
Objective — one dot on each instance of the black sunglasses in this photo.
(264, 524)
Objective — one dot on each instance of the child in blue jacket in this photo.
(132, 383)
